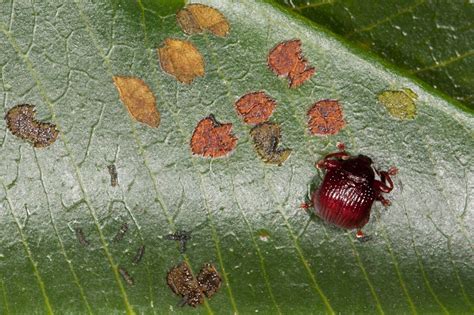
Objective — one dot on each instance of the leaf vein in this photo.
(257, 248)
(446, 62)
(60, 241)
(387, 19)
(420, 263)
(92, 212)
(26, 247)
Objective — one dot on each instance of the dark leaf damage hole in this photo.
(113, 175)
(193, 289)
(182, 237)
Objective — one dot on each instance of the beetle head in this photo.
(364, 159)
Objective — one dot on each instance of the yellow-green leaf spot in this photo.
(400, 104)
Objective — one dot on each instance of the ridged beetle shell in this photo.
(349, 189)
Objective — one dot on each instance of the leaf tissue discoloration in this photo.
(325, 118)
(286, 60)
(243, 212)
(22, 123)
(139, 99)
(197, 18)
(266, 138)
(212, 138)
(400, 104)
(255, 107)
(181, 59)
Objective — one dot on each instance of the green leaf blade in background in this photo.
(62, 58)
(431, 40)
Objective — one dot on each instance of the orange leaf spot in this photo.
(181, 59)
(255, 107)
(212, 139)
(286, 60)
(197, 18)
(325, 118)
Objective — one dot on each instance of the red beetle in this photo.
(349, 189)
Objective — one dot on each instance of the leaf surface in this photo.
(244, 214)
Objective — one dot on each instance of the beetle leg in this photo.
(361, 237)
(385, 202)
(392, 171)
(385, 184)
(382, 186)
(330, 161)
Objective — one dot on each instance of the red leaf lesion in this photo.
(255, 107)
(212, 138)
(326, 118)
(286, 60)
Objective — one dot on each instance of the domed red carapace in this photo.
(349, 189)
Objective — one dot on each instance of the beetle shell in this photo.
(348, 190)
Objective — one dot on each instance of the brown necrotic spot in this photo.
(255, 107)
(400, 104)
(266, 137)
(212, 139)
(286, 60)
(325, 118)
(139, 99)
(181, 59)
(22, 123)
(209, 280)
(182, 282)
(126, 276)
(197, 18)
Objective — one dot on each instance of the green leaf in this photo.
(244, 214)
(432, 40)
